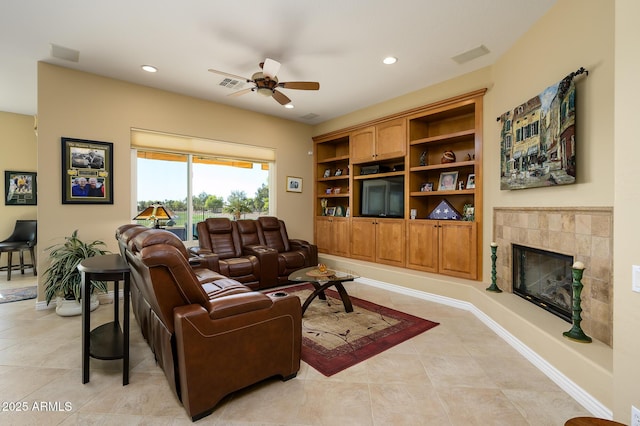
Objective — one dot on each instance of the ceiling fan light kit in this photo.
(265, 82)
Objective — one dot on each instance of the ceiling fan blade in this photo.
(300, 85)
(237, 77)
(281, 97)
(240, 92)
(270, 68)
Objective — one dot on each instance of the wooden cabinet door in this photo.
(458, 251)
(363, 238)
(390, 237)
(332, 235)
(422, 245)
(391, 139)
(363, 143)
(323, 234)
(341, 233)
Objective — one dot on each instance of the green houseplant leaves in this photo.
(62, 278)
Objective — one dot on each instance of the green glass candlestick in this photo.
(494, 287)
(576, 332)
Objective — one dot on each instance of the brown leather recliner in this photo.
(204, 267)
(215, 338)
(293, 254)
(220, 236)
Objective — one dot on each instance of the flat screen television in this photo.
(383, 197)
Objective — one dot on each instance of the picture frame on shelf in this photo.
(471, 181)
(336, 190)
(327, 173)
(328, 191)
(87, 171)
(331, 211)
(294, 184)
(347, 212)
(20, 188)
(339, 211)
(468, 213)
(448, 181)
(338, 172)
(426, 187)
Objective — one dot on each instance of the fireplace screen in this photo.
(544, 278)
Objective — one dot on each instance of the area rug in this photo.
(16, 294)
(333, 340)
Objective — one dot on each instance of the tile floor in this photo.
(459, 373)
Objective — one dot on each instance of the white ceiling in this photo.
(340, 43)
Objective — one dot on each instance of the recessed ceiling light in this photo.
(390, 60)
(289, 106)
(149, 68)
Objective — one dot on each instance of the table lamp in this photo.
(156, 212)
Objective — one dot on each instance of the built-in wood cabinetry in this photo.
(332, 235)
(378, 240)
(443, 246)
(410, 144)
(384, 141)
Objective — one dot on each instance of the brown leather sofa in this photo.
(263, 241)
(212, 336)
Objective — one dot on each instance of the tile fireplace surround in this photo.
(586, 233)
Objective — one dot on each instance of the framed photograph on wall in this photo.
(20, 188)
(294, 184)
(87, 172)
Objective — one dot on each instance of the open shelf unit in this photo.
(410, 144)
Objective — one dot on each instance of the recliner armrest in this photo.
(268, 258)
(206, 260)
(310, 249)
(236, 304)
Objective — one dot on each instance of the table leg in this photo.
(125, 326)
(346, 300)
(86, 326)
(319, 290)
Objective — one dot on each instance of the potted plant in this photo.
(62, 279)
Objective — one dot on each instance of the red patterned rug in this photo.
(333, 340)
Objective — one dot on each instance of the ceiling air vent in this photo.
(231, 83)
(310, 116)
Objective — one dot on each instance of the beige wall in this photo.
(87, 106)
(626, 319)
(18, 144)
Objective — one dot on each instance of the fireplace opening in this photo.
(544, 278)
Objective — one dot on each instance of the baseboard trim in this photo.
(584, 398)
(104, 298)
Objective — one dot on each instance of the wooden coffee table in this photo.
(321, 282)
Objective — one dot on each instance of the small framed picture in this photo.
(20, 188)
(331, 211)
(347, 212)
(339, 211)
(426, 187)
(336, 190)
(448, 181)
(328, 191)
(294, 184)
(468, 213)
(338, 172)
(327, 173)
(471, 181)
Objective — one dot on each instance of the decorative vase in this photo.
(69, 308)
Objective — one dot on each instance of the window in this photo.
(206, 181)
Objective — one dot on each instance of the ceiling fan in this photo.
(265, 82)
